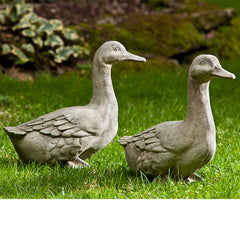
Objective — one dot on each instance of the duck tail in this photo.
(14, 131)
(125, 140)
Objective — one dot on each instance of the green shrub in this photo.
(226, 41)
(31, 38)
(165, 35)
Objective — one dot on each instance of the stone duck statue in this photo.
(179, 148)
(73, 134)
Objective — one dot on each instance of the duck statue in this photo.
(71, 135)
(180, 148)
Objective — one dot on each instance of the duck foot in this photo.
(78, 163)
(195, 177)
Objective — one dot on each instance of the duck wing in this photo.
(156, 149)
(148, 141)
(57, 126)
(166, 137)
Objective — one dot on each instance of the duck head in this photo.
(113, 51)
(206, 67)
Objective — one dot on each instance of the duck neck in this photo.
(102, 88)
(199, 109)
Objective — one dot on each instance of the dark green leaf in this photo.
(28, 47)
(57, 24)
(53, 40)
(6, 49)
(45, 27)
(28, 33)
(17, 52)
(38, 41)
(70, 34)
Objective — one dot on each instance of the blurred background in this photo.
(58, 36)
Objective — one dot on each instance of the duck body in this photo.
(179, 148)
(175, 148)
(64, 134)
(73, 134)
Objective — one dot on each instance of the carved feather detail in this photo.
(55, 127)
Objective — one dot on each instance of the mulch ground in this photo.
(75, 12)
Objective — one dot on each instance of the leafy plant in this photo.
(31, 38)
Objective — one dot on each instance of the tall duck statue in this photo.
(72, 134)
(180, 148)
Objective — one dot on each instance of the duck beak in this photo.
(218, 71)
(130, 56)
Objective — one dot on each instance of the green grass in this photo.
(146, 97)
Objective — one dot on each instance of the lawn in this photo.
(146, 96)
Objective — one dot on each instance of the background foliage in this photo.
(34, 34)
(27, 37)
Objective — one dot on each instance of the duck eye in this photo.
(202, 63)
(117, 49)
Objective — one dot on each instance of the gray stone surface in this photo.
(180, 147)
(73, 134)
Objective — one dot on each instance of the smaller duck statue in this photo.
(180, 148)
